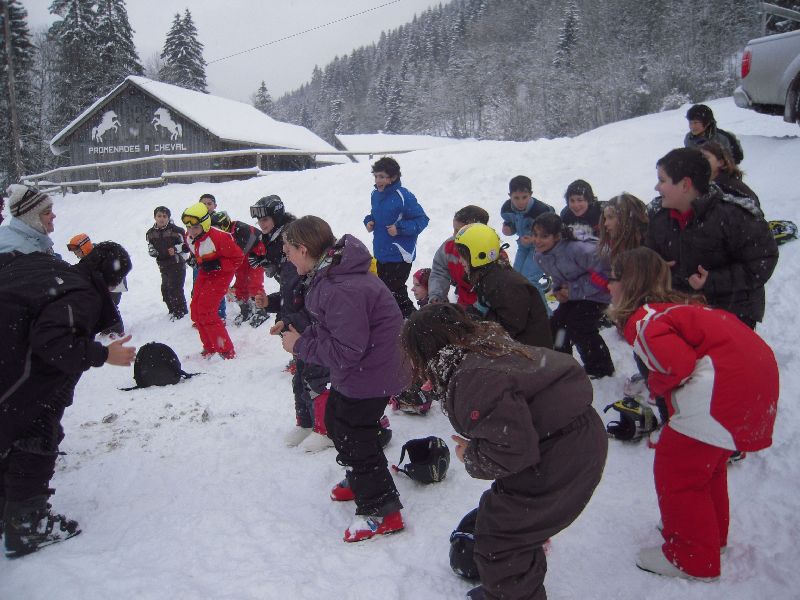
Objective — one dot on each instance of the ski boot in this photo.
(365, 527)
(29, 526)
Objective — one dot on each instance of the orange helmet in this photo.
(80, 242)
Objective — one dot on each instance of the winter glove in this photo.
(151, 250)
(255, 260)
(270, 270)
(210, 266)
(191, 260)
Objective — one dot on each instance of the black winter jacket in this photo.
(159, 241)
(50, 312)
(514, 303)
(729, 237)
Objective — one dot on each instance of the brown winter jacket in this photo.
(514, 303)
(487, 399)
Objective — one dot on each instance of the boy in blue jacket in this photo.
(396, 219)
(518, 214)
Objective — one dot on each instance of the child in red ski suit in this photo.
(720, 381)
(218, 257)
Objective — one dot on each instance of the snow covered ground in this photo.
(187, 492)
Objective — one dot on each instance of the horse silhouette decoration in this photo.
(108, 122)
(162, 118)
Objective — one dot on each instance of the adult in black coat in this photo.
(50, 312)
(718, 245)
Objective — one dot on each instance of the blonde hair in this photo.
(632, 216)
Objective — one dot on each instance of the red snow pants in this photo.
(249, 281)
(209, 288)
(692, 487)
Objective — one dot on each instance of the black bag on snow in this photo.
(157, 364)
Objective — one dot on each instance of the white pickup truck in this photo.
(771, 72)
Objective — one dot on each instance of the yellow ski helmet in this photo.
(482, 241)
(197, 214)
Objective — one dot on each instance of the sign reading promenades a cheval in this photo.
(141, 118)
(110, 126)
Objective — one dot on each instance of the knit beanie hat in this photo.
(27, 203)
(422, 276)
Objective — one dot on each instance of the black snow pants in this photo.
(173, 276)
(518, 514)
(28, 466)
(395, 275)
(353, 424)
(578, 322)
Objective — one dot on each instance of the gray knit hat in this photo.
(27, 203)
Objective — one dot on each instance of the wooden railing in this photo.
(53, 180)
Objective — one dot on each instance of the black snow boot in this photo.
(245, 312)
(259, 317)
(29, 525)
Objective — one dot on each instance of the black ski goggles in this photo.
(260, 212)
(191, 220)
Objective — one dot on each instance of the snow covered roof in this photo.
(385, 143)
(229, 120)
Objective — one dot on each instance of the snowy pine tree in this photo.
(23, 135)
(262, 100)
(115, 37)
(79, 79)
(183, 55)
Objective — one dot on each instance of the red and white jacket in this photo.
(216, 245)
(720, 379)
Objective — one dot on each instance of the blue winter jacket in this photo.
(521, 221)
(576, 266)
(395, 205)
(20, 236)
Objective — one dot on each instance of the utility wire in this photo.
(288, 37)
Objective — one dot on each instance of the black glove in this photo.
(191, 260)
(211, 265)
(255, 260)
(270, 270)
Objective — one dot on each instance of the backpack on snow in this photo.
(736, 147)
(157, 364)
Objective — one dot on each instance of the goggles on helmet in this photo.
(260, 212)
(190, 220)
(78, 243)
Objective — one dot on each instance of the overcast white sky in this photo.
(234, 25)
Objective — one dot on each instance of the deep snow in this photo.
(187, 492)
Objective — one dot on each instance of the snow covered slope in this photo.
(188, 493)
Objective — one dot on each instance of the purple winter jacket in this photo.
(355, 329)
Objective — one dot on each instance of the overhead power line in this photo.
(299, 33)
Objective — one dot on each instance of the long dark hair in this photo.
(435, 326)
(644, 277)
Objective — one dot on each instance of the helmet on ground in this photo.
(783, 231)
(482, 242)
(80, 242)
(430, 458)
(197, 214)
(268, 206)
(221, 220)
(462, 547)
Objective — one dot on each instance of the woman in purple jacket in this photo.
(355, 333)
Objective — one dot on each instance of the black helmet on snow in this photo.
(269, 206)
(462, 547)
(430, 458)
